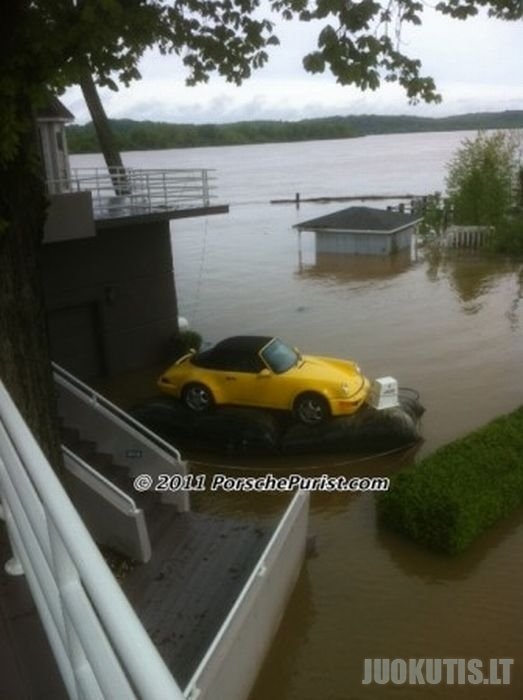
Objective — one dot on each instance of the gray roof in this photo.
(54, 111)
(361, 220)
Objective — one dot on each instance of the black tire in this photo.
(311, 408)
(198, 398)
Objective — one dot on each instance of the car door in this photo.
(246, 381)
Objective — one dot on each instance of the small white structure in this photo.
(383, 393)
(362, 231)
(51, 128)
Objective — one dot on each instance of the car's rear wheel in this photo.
(198, 398)
(311, 409)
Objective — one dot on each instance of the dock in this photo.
(297, 199)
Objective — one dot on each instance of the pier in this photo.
(298, 199)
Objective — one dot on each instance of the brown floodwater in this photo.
(448, 324)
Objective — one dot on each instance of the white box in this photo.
(383, 393)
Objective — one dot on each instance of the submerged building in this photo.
(362, 231)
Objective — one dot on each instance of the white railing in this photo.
(457, 236)
(99, 484)
(230, 666)
(115, 432)
(120, 192)
(114, 520)
(99, 644)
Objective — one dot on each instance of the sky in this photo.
(477, 65)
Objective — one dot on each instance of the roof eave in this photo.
(322, 229)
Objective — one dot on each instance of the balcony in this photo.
(94, 198)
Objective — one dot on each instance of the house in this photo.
(107, 264)
(362, 231)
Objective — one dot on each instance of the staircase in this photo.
(104, 450)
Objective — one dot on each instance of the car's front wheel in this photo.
(198, 398)
(311, 409)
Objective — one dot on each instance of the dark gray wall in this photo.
(111, 299)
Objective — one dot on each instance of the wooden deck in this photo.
(183, 595)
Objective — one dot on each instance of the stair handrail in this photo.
(118, 498)
(95, 397)
(100, 646)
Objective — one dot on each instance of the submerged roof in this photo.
(361, 220)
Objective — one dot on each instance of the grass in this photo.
(451, 497)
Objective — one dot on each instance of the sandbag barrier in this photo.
(253, 431)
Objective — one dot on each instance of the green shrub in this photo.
(508, 237)
(452, 496)
(186, 341)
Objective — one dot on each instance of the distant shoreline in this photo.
(148, 136)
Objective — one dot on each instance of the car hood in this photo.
(328, 370)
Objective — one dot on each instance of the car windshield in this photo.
(279, 357)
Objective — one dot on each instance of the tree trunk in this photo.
(105, 135)
(24, 348)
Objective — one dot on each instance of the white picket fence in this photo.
(467, 236)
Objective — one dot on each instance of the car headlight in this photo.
(345, 389)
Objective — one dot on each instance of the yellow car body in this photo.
(266, 373)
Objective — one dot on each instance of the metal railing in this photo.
(115, 520)
(115, 432)
(99, 644)
(118, 192)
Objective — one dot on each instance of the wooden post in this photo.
(297, 200)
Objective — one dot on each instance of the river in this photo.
(449, 326)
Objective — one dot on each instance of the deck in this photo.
(182, 596)
(184, 593)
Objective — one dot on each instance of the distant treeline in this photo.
(146, 135)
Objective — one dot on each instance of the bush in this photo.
(508, 237)
(452, 496)
(435, 211)
(483, 177)
(186, 341)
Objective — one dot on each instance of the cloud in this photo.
(476, 65)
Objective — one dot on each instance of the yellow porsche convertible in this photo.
(264, 372)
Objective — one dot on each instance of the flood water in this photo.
(449, 325)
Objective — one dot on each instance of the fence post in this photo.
(205, 183)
